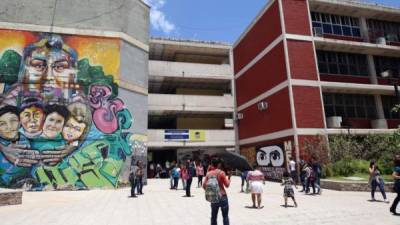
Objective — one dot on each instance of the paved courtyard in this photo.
(162, 206)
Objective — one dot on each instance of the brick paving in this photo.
(161, 206)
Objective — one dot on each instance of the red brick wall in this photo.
(345, 78)
(302, 61)
(276, 118)
(265, 31)
(296, 17)
(358, 123)
(264, 75)
(308, 107)
(392, 124)
(319, 147)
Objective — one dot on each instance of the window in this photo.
(349, 105)
(388, 103)
(335, 24)
(342, 63)
(389, 30)
(387, 63)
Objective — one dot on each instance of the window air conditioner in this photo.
(262, 106)
(239, 116)
(334, 122)
(318, 32)
(381, 41)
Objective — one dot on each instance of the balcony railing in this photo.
(189, 70)
(190, 103)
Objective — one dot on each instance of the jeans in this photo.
(176, 181)
(397, 199)
(200, 180)
(293, 174)
(188, 184)
(183, 183)
(308, 183)
(133, 186)
(223, 203)
(139, 184)
(381, 186)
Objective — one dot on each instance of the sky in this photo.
(209, 20)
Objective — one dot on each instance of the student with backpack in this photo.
(175, 175)
(214, 186)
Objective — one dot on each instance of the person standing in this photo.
(256, 179)
(200, 174)
(175, 175)
(132, 178)
(189, 177)
(243, 177)
(376, 180)
(316, 166)
(288, 191)
(396, 177)
(303, 175)
(292, 167)
(139, 177)
(223, 181)
(183, 174)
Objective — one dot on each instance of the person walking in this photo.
(376, 180)
(171, 178)
(223, 181)
(256, 179)
(200, 174)
(396, 177)
(288, 191)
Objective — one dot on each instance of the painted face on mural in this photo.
(73, 129)
(32, 120)
(9, 124)
(50, 71)
(53, 125)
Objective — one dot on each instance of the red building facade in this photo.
(315, 67)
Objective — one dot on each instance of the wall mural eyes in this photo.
(61, 122)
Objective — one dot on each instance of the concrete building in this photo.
(190, 90)
(315, 67)
(66, 53)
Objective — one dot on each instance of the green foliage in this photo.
(343, 168)
(327, 170)
(9, 66)
(88, 75)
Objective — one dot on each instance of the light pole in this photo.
(393, 81)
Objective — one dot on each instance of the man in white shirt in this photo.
(292, 167)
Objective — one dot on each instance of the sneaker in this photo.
(373, 200)
(386, 201)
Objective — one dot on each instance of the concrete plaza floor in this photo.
(162, 206)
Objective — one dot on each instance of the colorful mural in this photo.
(62, 124)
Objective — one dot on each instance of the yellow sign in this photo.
(197, 135)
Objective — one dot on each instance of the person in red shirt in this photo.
(223, 181)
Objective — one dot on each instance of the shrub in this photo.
(327, 171)
(343, 168)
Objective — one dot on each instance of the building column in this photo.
(380, 121)
(364, 29)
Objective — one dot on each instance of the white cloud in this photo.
(157, 17)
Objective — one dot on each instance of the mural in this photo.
(272, 161)
(62, 124)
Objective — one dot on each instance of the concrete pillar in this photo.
(364, 29)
